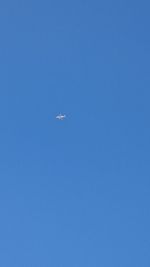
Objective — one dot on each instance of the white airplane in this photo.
(61, 117)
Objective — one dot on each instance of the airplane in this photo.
(61, 117)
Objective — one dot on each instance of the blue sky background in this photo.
(75, 193)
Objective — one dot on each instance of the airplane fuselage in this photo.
(61, 117)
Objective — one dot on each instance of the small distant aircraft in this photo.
(61, 117)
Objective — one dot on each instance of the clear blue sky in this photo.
(75, 193)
